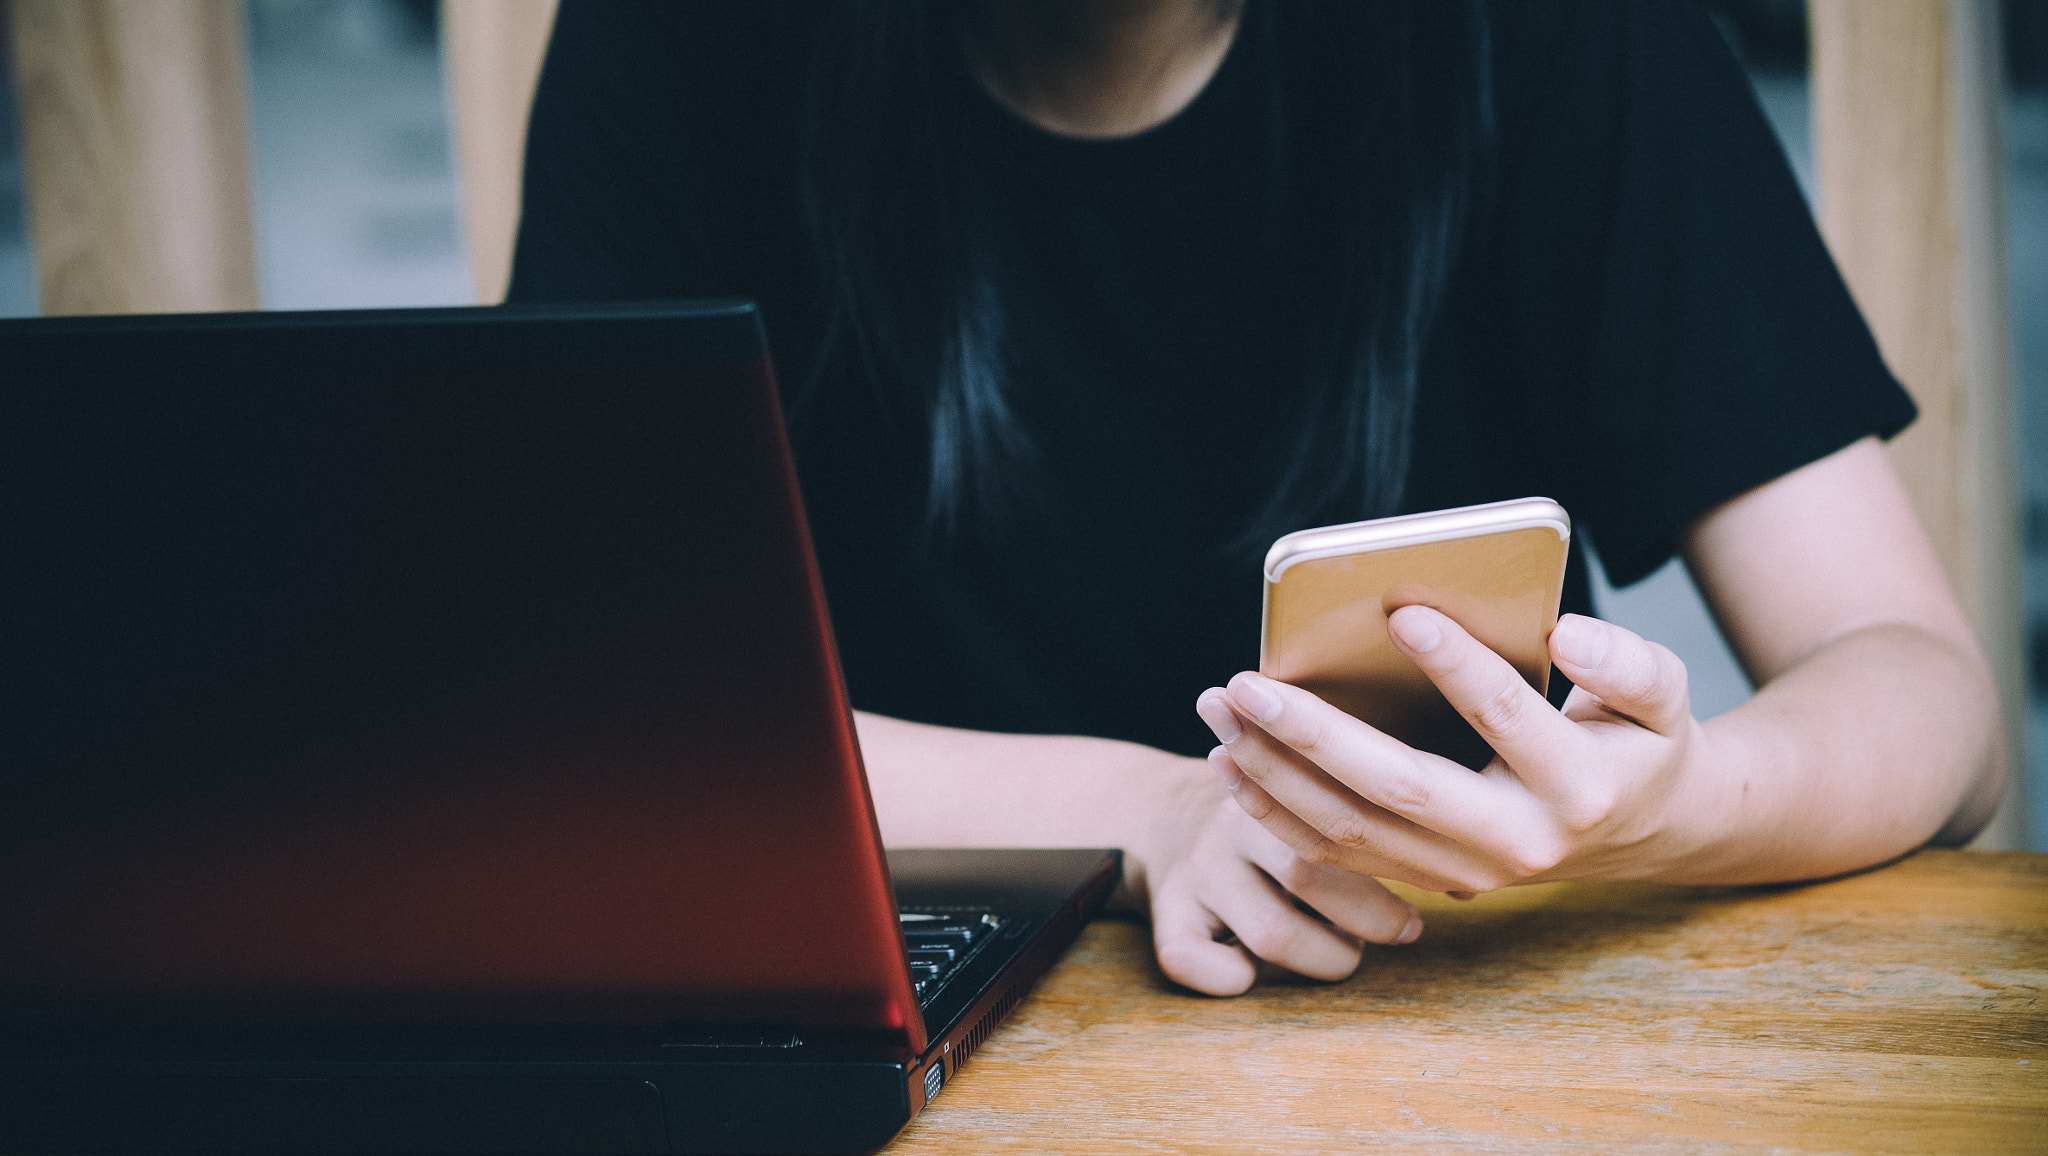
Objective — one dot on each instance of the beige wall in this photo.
(134, 130)
(1906, 136)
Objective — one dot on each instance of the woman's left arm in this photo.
(1875, 727)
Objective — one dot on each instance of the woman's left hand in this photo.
(1585, 792)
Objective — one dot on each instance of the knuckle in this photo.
(1531, 857)
(1655, 675)
(1588, 808)
(1501, 711)
(1270, 938)
(1321, 852)
(1405, 795)
(1641, 681)
(1348, 831)
(1297, 875)
(1197, 967)
(1257, 804)
(1670, 667)
(1677, 682)
(1176, 959)
(1309, 736)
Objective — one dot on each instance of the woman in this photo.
(1082, 302)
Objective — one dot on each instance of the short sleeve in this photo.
(1663, 303)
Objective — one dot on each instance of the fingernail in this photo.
(1252, 693)
(1418, 632)
(1226, 768)
(1579, 641)
(1219, 716)
(1412, 931)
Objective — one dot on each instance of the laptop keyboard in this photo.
(941, 941)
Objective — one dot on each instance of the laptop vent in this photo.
(981, 1030)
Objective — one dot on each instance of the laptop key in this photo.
(940, 943)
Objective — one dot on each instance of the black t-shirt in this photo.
(1644, 323)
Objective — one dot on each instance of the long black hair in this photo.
(1381, 117)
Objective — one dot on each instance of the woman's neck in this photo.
(1097, 68)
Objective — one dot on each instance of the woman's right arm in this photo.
(1219, 888)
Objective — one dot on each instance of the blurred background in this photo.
(357, 202)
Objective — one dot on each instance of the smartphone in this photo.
(1497, 569)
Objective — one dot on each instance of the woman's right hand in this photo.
(1225, 894)
(1222, 891)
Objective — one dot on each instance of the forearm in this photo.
(944, 787)
(1877, 742)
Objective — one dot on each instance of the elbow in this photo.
(1984, 774)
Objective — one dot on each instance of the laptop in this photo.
(420, 731)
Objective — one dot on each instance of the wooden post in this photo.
(1906, 141)
(493, 50)
(135, 140)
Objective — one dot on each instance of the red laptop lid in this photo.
(423, 665)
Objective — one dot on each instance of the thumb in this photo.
(1630, 675)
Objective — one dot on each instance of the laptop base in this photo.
(504, 1089)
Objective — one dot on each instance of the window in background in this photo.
(356, 196)
(2026, 262)
(17, 270)
(355, 193)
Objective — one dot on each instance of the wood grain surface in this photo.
(1901, 1010)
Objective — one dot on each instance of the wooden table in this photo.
(1902, 1010)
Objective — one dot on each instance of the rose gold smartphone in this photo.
(1497, 569)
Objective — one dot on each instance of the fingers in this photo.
(1262, 917)
(1348, 801)
(1350, 795)
(1631, 676)
(1358, 904)
(1241, 901)
(1184, 938)
(1228, 890)
(1307, 844)
(1506, 711)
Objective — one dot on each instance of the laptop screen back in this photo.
(440, 664)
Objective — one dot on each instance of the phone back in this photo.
(1326, 625)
